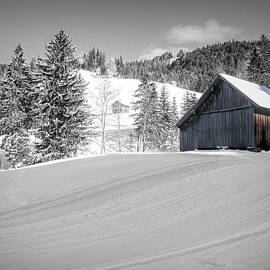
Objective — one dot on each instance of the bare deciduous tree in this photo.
(105, 94)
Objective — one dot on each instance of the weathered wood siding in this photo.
(223, 97)
(262, 131)
(226, 118)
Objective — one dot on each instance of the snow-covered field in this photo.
(123, 91)
(138, 211)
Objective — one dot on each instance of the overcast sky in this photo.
(132, 28)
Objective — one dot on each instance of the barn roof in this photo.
(258, 95)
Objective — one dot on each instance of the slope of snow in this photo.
(155, 211)
(123, 91)
(258, 93)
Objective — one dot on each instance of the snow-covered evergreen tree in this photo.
(173, 136)
(18, 148)
(18, 97)
(254, 65)
(146, 116)
(94, 60)
(111, 67)
(155, 118)
(188, 101)
(165, 120)
(119, 64)
(65, 120)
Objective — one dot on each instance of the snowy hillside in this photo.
(123, 90)
(198, 210)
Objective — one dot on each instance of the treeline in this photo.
(94, 60)
(43, 113)
(195, 70)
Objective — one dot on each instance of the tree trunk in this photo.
(119, 133)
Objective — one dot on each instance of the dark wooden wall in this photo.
(262, 131)
(226, 118)
(223, 97)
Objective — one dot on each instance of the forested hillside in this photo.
(193, 70)
(196, 69)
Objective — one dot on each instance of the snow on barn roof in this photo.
(259, 94)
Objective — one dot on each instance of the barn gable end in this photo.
(223, 97)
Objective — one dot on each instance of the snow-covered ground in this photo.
(138, 211)
(123, 91)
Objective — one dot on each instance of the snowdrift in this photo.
(138, 211)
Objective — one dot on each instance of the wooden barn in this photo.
(231, 113)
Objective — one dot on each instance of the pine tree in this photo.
(174, 130)
(111, 67)
(64, 114)
(165, 120)
(18, 96)
(119, 65)
(91, 61)
(188, 101)
(153, 126)
(33, 64)
(254, 67)
(3, 70)
(103, 69)
(146, 116)
(94, 61)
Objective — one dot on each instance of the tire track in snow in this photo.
(96, 191)
(188, 251)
